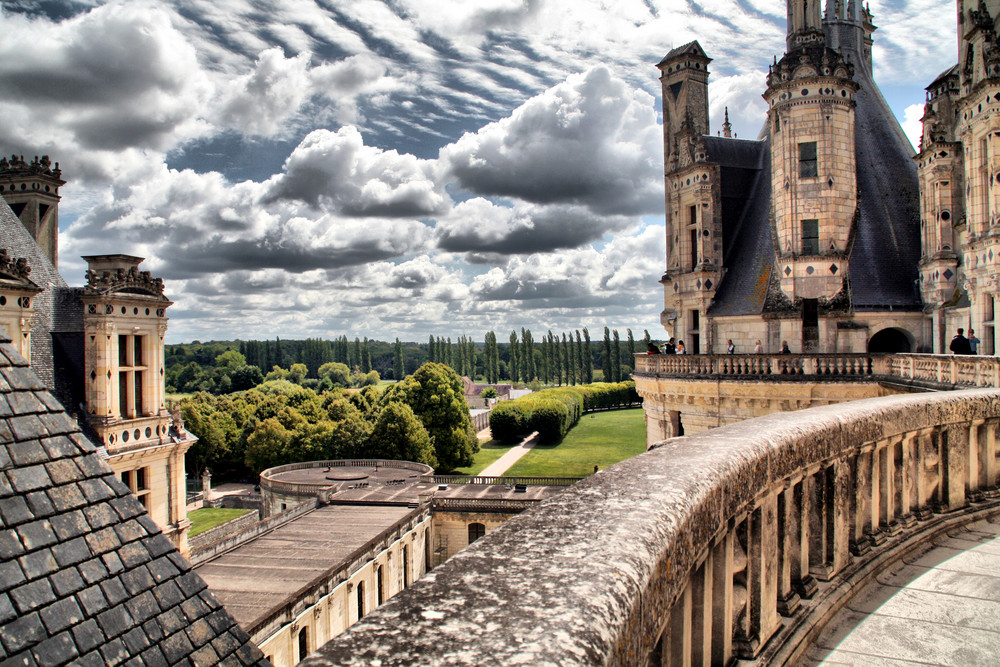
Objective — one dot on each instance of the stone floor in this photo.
(939, 607)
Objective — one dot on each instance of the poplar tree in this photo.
(430, 349)
(588, 360)
(631, 349)
(397, 361)
(513, 366)
(578, 360)
(616, 369)
(606, 366)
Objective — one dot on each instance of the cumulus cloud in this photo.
(335, 171)
(260, 101)
(591, 141)
(479, 226)
(912, 125)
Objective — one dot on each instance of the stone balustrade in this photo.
(929, 369)
(693, 552)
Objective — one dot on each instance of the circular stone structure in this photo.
(344, 480)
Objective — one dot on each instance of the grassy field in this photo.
(488, 453)
(210, 517)
(601, 439)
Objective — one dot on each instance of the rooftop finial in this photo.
(727, 128)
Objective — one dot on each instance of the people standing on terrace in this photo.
(757, 348)
(973, 342)
(731, 349)
(784, 347)
(960, 344)
(680, 348)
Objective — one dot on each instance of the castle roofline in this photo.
(689, 49)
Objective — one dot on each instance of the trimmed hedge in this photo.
(553, 412)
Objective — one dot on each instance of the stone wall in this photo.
(693, 551)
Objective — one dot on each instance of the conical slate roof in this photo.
(86, 577)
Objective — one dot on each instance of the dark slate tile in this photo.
(92, 659)
(14, 511)
(114, 591)
(28, 453)
(38, 564)
(150, 526)
(137, 580)
(162, 569)
(177, 559)
(6, 435)
(190, 583)
(10, 575)
(135, 641)
(133, 554)
(82, 443)
(5, 488)
(5, 410)
(92, 600)
(32, 595)
(113, 562)
(63, 471)
(205, 655)
(24, 403)
(22, 633)
(168, 595)
(60, 615)
(69, 525)
(40, 505)
(176, 647)
(29, 478)
(95, 490)
(200, 633)
(153, 630)
(171, 621)
(127, 506)
(103, 540)
(5, 461)
(133, 662)
(225, 644)
(99, 516)
(60, 447)
(220, 621)
(142, 607)
(71, 552)
(27, 427)
(130, 531)
(21, 378)
(158, 545)
(66, 497)
(66, 582)
(57, 423)
(7, 611)
(10, 545)
(37, 534)
(49, 401)
(153, 657)
(249, 654)
(88, 635)
(230, 661)
(115, 621)
(93, 571)
(113, 652)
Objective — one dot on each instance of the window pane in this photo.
(140, 479)
(808, 166)
(810, 237)
(137, 351)
(123, 351)
(123, 393)
(137, 406)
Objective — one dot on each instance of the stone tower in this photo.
(32, 191)
(124, 321)
(693, 229)
(810, 97)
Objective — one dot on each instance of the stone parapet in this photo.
(693, 552)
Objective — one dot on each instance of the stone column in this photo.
(954, 466)
(701, 613)
(789, 534)
(723, 602)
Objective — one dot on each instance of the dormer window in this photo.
(131, 365)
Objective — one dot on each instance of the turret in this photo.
(32, 191)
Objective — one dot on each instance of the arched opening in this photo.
(890, 341)
(379, 590)
(476, 530)
(303, 644)
(361, 599)
(406, 566)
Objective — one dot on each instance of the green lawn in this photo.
(210, 517)
(488, 453)
(601, 438)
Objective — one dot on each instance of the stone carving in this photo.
(121, 280)
(17, 164)
(16, 268)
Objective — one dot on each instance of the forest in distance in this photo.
(555, 359)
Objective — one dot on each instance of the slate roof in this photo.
(886, 246)
(691, 48)
(86, 577)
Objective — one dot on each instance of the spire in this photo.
(805, 23)
(727, 128)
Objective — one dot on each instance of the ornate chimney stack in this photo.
(31, 189)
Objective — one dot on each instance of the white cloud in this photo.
(260, 101)
(912, 125)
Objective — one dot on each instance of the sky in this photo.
(391, 168)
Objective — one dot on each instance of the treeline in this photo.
(565, 358)
(553, 412)
(423, 418)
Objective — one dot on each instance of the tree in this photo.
(437, 396)
(297, 373)
(631, 349)
(397, 361)
(606, 366)
(588, 361)
(339, 374)
(513, 366)
(578, 360)
(616, 363)
(398, 435)
(245, 378)
(267, 445)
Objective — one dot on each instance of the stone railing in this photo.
(509, 481)
(929, 369)
(491, 505)
(304, 488)
(692, 552)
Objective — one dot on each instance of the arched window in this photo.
(379, 590)
(361, 599)
(303, 644)
(476, 530)
(406, 566)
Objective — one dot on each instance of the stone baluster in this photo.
(891, 466)
(701, 612)
(724, 603)
(761, 613)
(988, 438)
(829, 521)
(954, 440)
(976, 459)
(677, 639)
(861, 501)
(926, 477)
(789, 551)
